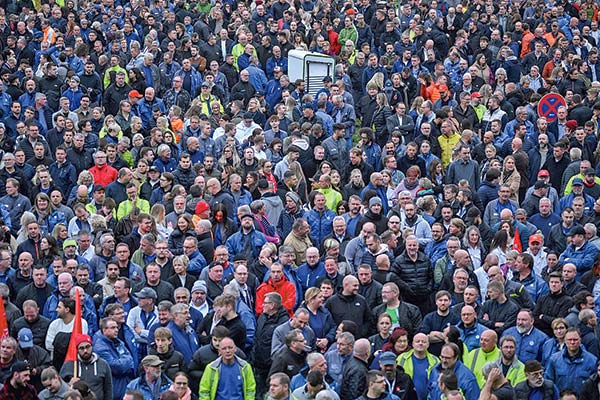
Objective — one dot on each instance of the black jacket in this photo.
(39, 328)
(354, 308)
(29, 292)
(354, 382)
(417, 274)
(288, 362)
(590, 390)
(506, 313)
(173, 361)
(408, 315)
(551, 306)
(265, 325)
(523, 389)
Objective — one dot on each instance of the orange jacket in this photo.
(285, 288)
(525, 42)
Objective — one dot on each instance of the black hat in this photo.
(327, 79)
(98, 188)
(540, 185)
(19, 366)
(577, 230)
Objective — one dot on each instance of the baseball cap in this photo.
(476, 95)
(387, 358)
(135, 93)
(540, 185)
(146, 293)
(19, 366)
(25, 338)
(154, 168)
(98, 188)
(248, 116)
(443, 88)
(577, 181)
(152, 361)
(589, 171)
(543, 172)
(535, 239)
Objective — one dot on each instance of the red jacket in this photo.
(104, 175)
(285, 288)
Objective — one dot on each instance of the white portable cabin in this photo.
(311, 68)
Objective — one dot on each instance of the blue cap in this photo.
(577, 181)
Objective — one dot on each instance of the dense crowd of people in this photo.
(410, 228)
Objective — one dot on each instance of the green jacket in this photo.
(477, 358)
(125, 207)
(348, 34)
(210, 380)
(405, 361)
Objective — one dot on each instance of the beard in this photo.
(522, 329)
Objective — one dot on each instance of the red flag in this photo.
(77, 330)
(3, 323)
(517, 241)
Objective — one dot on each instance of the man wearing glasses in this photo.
(92, 369)
(535, 385)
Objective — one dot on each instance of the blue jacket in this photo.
(321, 224)
(64, 176)
(235, 244)
(466, 382)
(535, 285)
(276, 62)
(5, 103)
(195, 77)
(530, 345)
(308, 276)
(74, 98)
(185, 342)
(166, 166)
(435, 250)
(257, 79)
(141, 385)
(548, 349)
(120, 360)
(583, 258)
(145, 110)
(471, 336)
(273, 93)
(567, 201)
(570, 373)
(197, 263)
(49, 310)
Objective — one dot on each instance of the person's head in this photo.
(449, 355)
(573, 340)
(488, 340)
(534, 373)
(279, 386)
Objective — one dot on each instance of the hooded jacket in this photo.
(95, 371)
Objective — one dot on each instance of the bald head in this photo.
(362, 349)
(495, 274)
(506, 215)
(350, 285)
(488, 340)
